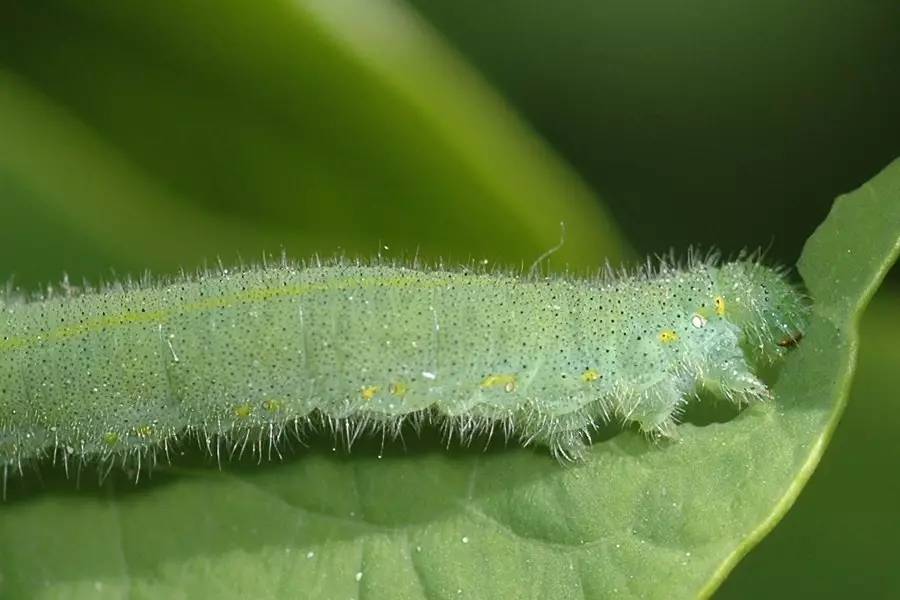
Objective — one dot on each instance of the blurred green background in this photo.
(162, 136)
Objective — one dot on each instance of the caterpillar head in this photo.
(769, 310)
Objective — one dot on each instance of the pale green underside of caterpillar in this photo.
(239, 359)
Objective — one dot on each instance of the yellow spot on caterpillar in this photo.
(368, 391)
(144, 431)
(719, 303)
(398, 389)
(111, 438)
(271, 405)
(668, 336)
(507, 381)
(243, 411)
(590, 375)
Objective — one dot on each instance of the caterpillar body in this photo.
(239, 358)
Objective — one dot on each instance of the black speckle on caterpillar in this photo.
(238, 359)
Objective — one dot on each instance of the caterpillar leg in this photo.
(569, 446)
(656, 408)
(732, 379)
(568, 436)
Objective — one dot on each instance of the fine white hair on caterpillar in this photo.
(239, 359)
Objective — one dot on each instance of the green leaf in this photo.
(634, 520)
(157, 136)
(851, 500)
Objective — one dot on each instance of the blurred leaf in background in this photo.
(731, 124)
(162, 134)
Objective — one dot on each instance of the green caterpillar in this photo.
(238, 358)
